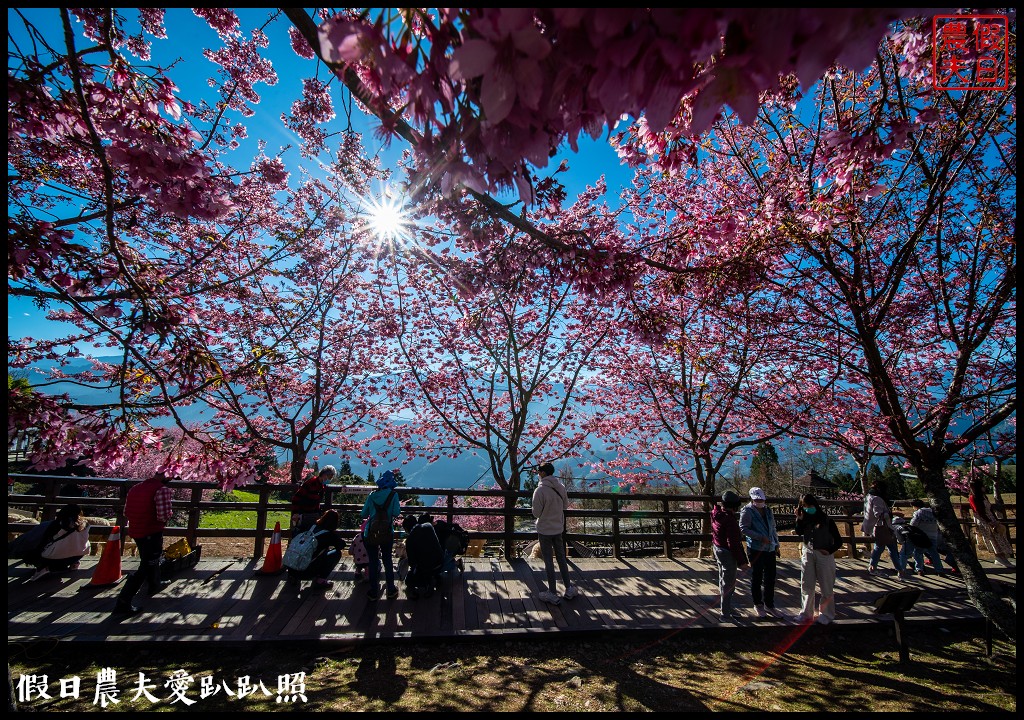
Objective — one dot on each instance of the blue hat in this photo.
(387, 480)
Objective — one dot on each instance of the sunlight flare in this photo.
(388, 220)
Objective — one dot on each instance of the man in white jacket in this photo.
(549, 503)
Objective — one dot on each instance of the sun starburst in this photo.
(388, 219)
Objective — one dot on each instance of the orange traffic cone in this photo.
(272, 562)
(108, 569)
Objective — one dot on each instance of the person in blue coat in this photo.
(757, 523)
(385, 498)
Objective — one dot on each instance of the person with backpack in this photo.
(64, 543)
(454, 541)
(905, 548)
(924, 537)
(318, 560)
(381, 508)
(877, 524)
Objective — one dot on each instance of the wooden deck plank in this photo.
(537, 580)
(536, 610)
(223, 599)
(510, 596)
(459, 593)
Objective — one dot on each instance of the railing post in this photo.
(854, 552)
(616, 540)
(451, 504)
(668, 530)
(121, 520)
(510, 526)
(194, 515)
(261, 522)
(49, 512)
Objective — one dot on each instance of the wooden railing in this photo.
(623, 519)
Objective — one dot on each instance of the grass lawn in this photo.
(242, 519)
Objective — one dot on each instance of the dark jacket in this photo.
(819, 532)
(423, 549)
(725, 533)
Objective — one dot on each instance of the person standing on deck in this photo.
(757, 522)
(549, 502)
(727, 544)
(383, 500)
(817, 560)
(147, 510)
(987, 525)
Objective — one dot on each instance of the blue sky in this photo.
(189, 35)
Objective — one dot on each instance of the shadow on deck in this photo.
(223, 599)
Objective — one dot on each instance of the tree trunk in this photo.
(979, 589)
(298, 464)
(707, 487)
(997, 494)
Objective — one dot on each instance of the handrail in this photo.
(622, 512)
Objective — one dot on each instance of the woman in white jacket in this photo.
(549, 503)
(878, 524)
(65, 543)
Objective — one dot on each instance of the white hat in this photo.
(757, 493)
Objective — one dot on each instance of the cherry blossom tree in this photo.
(847, 421)
(889, 214)
(486, 94)
(302, 347)
(121, 216)
(124, 209)
(706, 384)
(493, 360)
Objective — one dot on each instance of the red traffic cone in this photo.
(272, 562)
(108, 570)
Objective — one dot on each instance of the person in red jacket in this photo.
(147, 510)
(727, 544)
(308, 498)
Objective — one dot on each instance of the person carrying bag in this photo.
(877, 524)
(63, 544)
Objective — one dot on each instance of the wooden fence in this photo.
(627, 523)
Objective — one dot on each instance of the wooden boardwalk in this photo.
(223, 599)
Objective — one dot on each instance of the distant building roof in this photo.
(815, 484)
(814, 480)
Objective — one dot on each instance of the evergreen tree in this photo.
(894, 480)
(400, 481)
(845, 481)
(349, 518)
(345, 469)
(874, 474)
(531, 482)
(765, 470)
(371, 479)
